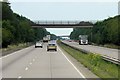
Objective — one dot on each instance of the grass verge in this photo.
(94, 62)
(13, 48)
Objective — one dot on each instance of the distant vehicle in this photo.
(51, 46)
(46, 38)
(39, 44)
(83, 39)
(70, 40)
(76, 40)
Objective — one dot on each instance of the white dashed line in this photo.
(30, 63)
(33, 59)
(26, 68)
(19, 77)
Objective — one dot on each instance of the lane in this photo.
(39, 63)
(112, 53)
(40, 67)
(18, 66)
(13, 57)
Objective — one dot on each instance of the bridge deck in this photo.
(61, 24)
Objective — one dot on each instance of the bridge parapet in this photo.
(56, 22)
(61, 24)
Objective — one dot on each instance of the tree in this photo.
(53, 37)
(103, 32)
(80, 31)
(7, 13)
(107, 31)
(6, 37)
(17, 29)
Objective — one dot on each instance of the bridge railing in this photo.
(56, 22)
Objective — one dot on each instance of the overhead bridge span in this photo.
(61, 24)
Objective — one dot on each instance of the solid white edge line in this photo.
(8, 55)
(72, 63)
(14, 53)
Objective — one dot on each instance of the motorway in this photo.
(106, 52)
(38, 63)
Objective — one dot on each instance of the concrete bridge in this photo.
(61, 24)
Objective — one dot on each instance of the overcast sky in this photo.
(65, 10)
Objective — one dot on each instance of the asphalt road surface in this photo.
(38, 63)
(107, 52)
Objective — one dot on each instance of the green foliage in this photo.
(106, 32)
(7, 13)
(93, 62)
(80, 31)
(17, 29)
(6, 37)
(53, 37)
(13, 47)
(0, 33)
(103, 32)
(40, 33)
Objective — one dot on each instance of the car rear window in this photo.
(51, 44)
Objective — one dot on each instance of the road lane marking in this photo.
(26, 68)
(14, 52)
(30, 63)
(72, 64)
(33, 60)
(9, 55)
(19, 77)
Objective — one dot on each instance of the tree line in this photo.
(17, 28)
(103, 32)
(80, 31)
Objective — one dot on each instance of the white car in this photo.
(83, 42)
(38, 44)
